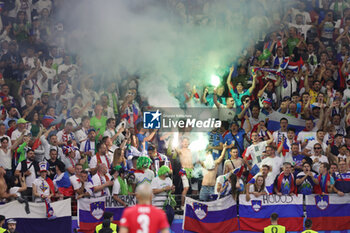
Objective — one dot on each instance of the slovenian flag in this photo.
(254, 215)
(255, 170)
(90, 211)
(274, 122)
(238, 171)
(207, 217)
(328, 212)
(37, 220)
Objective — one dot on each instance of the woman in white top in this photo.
(41, 188)
(6, 153)
(258, 189)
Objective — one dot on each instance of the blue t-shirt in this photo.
(306, 187)
(214, 140)
(286, 184)
(229, 138)
(140, 137)
(298, 160)
(237, 98)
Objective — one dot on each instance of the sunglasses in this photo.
(317, 148)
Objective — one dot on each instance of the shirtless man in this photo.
(186, 170)
(209, 178)
(234, 162)
(3, 186)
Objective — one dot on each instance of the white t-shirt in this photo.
(44, 84)
(76, 122)
(104, 159)
(110, 153)
(63, 137)
(254, 152)
(226, 114)
(42, 187)
(92, 147)
(251, 189)
(157, 183)
(29, 179)
(16, 134)
(81, 135)
(5, 159)
(277, 136)
(77, 184)
(316, 165)
(303, 136)
(310, 146)
(74, 181)
(275, 163)
(145, 177)
(98, 180)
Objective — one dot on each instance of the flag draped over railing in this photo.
(328, 212)
(37, 220)
(215, 216)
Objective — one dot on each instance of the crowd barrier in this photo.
(328, 213)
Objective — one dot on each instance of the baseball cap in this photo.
(43, 166)
(21, 121)
(11, 221)
(268, 101)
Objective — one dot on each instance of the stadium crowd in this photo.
(61, 137)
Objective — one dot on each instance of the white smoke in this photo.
(162, 42)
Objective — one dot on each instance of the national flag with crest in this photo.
(254, 215)
(90, 211)
(328, 212)
(207, 217)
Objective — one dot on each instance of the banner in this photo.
(254, 215)
(274, 122)
(215, 216)
(36, 220)
(90, 211)
(328, 212)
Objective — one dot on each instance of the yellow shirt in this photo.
(275, 229)
(313, 96)
(309, 231)
(112, 226)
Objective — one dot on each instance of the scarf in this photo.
(21, 149)
(115, 104)
(322, 186)
(102, 182)
(98, 157)
(124, 189)
(87, 147)
(291, 182)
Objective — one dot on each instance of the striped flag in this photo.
(207, 217)
(328, 212)
(255, 213)
(37, 220)
(90, 211)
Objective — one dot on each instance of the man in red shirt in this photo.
(144, 217)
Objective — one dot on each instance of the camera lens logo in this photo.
(151, 120)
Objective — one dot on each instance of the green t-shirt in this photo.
(99, 124)
(292, 43)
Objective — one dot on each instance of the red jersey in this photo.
(144, 218)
